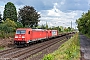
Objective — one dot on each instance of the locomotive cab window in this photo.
(20, 31)
(29, 32)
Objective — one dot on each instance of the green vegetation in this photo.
(60, 29)
(1, 48)
(28, 16)
(8, 27)
(70, 50)
(0, 17)
(84, 23)
(10, 12)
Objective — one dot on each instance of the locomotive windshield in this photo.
(20, 31)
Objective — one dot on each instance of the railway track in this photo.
(23, 53)
(7, 51)
(36, 50)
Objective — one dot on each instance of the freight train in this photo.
(27, 35)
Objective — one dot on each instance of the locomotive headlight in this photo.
(16, 36)
(23, 36)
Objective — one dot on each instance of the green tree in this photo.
(19, 25)
(8, 26)
(46, 26)
(59, 29)
(62, 28)
(0, 18)
(43, 26)
(29, 16)
(84, 23)
(10, 12)
(69, 29)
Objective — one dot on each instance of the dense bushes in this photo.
(84, 23)
(8, 27)
(6, 35)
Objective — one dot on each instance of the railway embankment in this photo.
(70, 50)
(6, 43)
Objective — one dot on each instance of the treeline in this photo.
(59, 28)
(84, 23)
(11, 19)
(26, 17)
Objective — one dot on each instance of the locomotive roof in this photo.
(39, 29)
(31, 29)
(23, 28)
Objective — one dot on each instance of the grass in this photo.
(6, 35)
(1, 48)
(87, 35)
(70, 50)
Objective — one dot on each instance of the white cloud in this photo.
(88, 1)
(1, 9)
(56, 17)
(62, 2)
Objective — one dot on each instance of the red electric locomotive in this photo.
(28, 35)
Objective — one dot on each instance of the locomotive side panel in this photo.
(29, 36)
(38, 34)
(49, 33)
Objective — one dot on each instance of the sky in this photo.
(53, 12)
